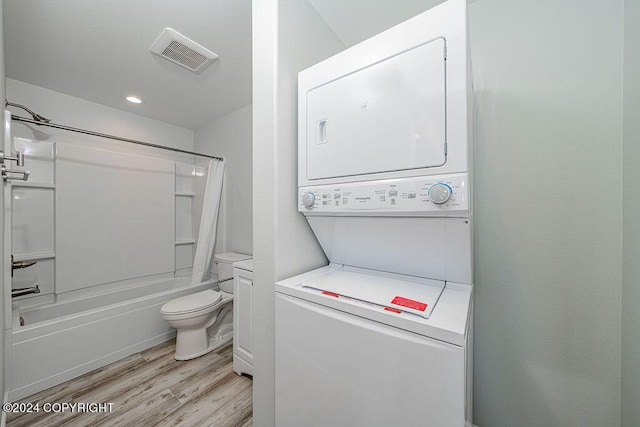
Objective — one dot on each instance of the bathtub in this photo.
(63, 340)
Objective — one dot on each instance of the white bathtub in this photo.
(63, 340)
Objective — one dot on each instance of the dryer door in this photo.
(389, 116)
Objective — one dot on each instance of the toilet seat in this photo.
(200, 301)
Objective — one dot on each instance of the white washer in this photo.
(383, 335)
(344, 361)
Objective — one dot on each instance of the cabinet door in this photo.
(243, 317)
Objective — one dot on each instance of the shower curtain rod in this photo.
(104, 135)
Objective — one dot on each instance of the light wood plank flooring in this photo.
(152, 389)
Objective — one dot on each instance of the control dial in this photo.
(439, 193)
(308, 200)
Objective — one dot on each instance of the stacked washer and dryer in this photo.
(383, 334)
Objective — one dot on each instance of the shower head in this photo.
(37, 117)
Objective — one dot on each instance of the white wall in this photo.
(230, 136)
(33, 223)
(288, 36)
(631, 227)
(4, 291)
(71, 111)
(548, 212)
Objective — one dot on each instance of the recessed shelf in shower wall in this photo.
(184, 256)
(41, 274)
(34, 256)
(40, 159)
(185, 206)
(32, 220)
(32, 206)
(184, 219)
(29, 184)
(185, 242)
(184, 178)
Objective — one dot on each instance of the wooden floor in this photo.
(152, 389)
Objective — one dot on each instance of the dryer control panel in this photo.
(446, 195)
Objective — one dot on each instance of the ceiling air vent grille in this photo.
(185, 52)
(182, 54)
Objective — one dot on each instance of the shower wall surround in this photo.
(102, 219)
(125, 229)
(97, 213)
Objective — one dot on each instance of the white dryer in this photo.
(383, 335)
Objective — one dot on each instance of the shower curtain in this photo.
(209, 220)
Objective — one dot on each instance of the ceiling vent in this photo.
(185, 52)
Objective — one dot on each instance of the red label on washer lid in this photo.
(393, 310)
(331, 294)
(409, 303)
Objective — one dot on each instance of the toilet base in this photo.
(212, 344)
(192, 343)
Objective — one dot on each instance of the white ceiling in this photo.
(99, 50)
(356, 20)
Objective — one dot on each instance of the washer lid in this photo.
(191, 303)
(393, 294)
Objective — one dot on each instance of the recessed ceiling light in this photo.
(134, 99)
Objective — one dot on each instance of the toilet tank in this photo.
(224, 264)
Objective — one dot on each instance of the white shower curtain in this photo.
(209, 221)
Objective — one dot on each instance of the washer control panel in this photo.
(431, 195)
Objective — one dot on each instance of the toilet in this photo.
(204, 320)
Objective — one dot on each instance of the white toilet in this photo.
(204, 320)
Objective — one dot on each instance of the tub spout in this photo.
(18, 292)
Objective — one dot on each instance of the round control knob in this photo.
(308, 200)
(439, 193)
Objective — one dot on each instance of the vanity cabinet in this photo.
(243, 317)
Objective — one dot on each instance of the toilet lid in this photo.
(190, 303)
